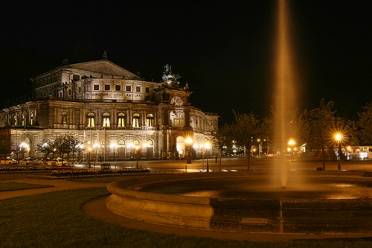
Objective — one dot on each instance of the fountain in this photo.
(284, 95)
(253, 201)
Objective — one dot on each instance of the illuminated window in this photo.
(32, 119)
(90, 120)
(136, 120)
(177, 118)
(136, 142)
(106, 120)
(150, 120)
(121, 120)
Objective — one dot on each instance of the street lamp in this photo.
(338, 138)
(259, 142)
(188, 142)
(89, 158)
(95, 146)
(136, 154)
(207, 146)
(80, 150)
(291, 148)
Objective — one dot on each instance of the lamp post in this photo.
(89, 158)
(338, 138)
(291, 148)
(259, 142)
(207, 146)
(188, 142)
(113, 147)
(95, 146)
(81, 148)
(136, 154)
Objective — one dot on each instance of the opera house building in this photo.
(110, 110)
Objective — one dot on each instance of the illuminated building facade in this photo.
(111, 110)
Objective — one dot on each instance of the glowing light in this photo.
(291, 142)
(363, 155)
(188, 140)
(338, 137)
(207, 145)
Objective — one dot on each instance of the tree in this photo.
(266, 131)
(221, 139)
(63, 145)
(318, 127)
(72, 145)
(46, 148)
(364, 124)
(244, 129)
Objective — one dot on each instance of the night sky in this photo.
(225, 50)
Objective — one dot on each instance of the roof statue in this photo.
(104, 56)
(168, 77)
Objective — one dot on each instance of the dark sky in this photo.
(224, 49)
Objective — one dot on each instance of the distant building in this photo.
(111, 110)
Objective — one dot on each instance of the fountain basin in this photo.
(253, 202)
(166, 209)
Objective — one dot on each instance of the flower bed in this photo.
(87, 173)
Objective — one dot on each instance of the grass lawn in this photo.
(9, 186)
(56, 220)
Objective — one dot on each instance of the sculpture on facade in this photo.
(169, 77)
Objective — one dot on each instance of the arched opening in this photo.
(180, 146)
(136, 120)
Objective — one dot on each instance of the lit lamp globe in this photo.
(338, 138)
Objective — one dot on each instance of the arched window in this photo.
(121, 120)
(106, 120)
(136, 120)
(32, 118)
(90, 120)
(136, 142)
(150, 120)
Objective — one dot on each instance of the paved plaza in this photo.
(348, 184)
